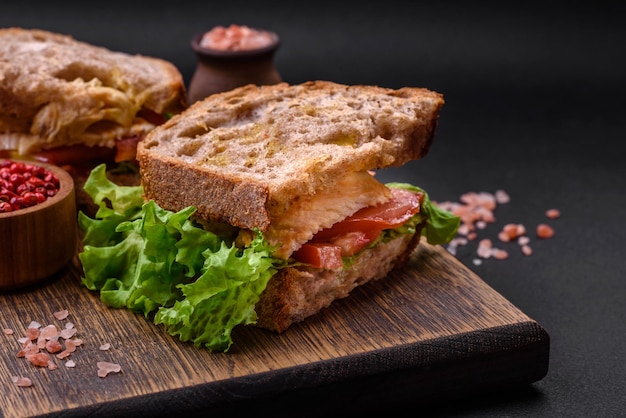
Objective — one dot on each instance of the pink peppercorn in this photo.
(23, 185)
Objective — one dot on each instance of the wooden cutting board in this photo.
(431, 330)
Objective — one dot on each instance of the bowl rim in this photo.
(66, 183)
(217, 53)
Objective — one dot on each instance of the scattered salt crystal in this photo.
(50, 332)
(484, 249)
(461, 241)
(32, 333)
(104, 368)
(67, 333)
(553, 213)
(476, 211)
(502, 197)
(463, 229)
(499, 254)
(39, 359)
(63, 354)
(22, 381)
(504, 236)
(29, 349)
(70, 346)
(39, 342)
(7, 331)
(62, 314)
(544, 231)
(53, 346)
(105, 346)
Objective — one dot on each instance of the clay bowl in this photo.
(223, 70)
(38, 241)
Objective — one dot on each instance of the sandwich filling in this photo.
(199, 284)
(101, 141)
(309, 215)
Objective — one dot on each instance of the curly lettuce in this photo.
(162, 265)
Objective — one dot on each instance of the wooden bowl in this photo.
(40, 240)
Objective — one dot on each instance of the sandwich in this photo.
(76, 105)
(273, 189)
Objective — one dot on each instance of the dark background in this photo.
(534, 106)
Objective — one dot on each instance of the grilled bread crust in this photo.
(245, 156)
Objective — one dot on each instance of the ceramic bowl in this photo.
(222, 70)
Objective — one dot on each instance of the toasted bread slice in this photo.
(56, 91)
(247, 156)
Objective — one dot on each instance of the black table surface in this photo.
(534, 106)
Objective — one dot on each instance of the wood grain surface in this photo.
(428, 330)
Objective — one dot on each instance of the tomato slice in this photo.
(126, 148)
(351, 235)
(354, 241)
(151, 116)
(399, 209)
(320, 254)
(75, 155)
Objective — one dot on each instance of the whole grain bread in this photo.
(245, 156)
(296, 293)
(56, 90)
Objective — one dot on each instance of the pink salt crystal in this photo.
(62, 314)
(22, 381)
(32, 333)
(553, 213)
(499, 254)
(502, 197)
(104, 368)
(39, 359)
(67, 333)
(53, 346)
(50, 332)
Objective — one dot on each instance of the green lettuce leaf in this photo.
(441, 226)
(160, 264)
(222, 297)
